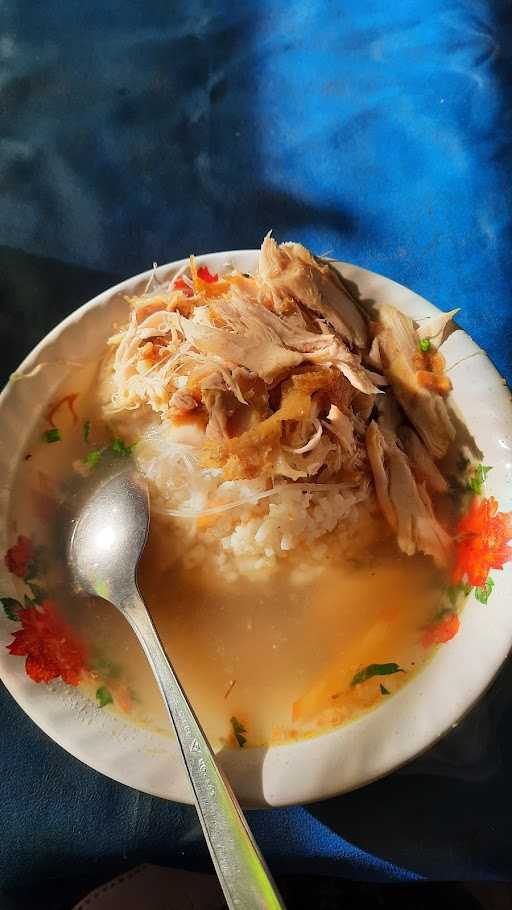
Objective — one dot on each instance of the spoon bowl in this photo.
(109, 529)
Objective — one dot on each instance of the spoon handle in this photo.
(243, 875)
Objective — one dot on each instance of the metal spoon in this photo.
(109, 529)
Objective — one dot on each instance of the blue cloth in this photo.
(377, 131)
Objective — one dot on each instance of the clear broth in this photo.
(279, 655)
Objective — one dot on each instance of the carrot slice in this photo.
(338, 676)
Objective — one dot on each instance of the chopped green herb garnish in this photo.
(453, 592)
(477, 480)
(93, 457)
(119, 446)
(375, 670)
(28, 602)
(424, 345)
(87, 430)
(483, 593)
(239, 730)
(104, 697)
(383, 690)
(52, 435)
(11, 607)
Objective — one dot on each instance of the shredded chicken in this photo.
(427, 410)
(405, 503)
(277, 377)
(182, 402)
(424, 468)
(220, 407)
(251, 453)
(435, 327)
(265, 356)
(260, 340)
(342, 427)
(290, 271)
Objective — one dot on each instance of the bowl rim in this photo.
(278, 764)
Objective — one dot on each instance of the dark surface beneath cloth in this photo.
(137, 132)
(299, 892)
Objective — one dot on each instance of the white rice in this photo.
(240, 527)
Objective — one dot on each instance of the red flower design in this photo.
(483, 534)
(19, 557)
(204, 274)
(50, 645)
(440, 632)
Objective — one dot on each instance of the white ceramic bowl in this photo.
(349, 756)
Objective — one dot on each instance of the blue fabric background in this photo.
(378, 131)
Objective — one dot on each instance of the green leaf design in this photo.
(38, 593)
(454, 591)
(477, 480)
(383, 690)
(375, 670)
(483, 593)
(239, 730)
(11, 608)
(104, 697)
